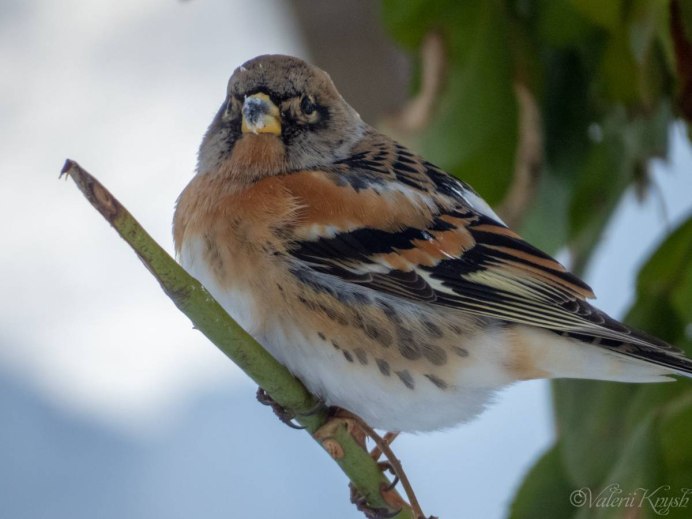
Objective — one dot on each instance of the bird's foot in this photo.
(360, 431)
(372, 512)
(284, 414)
(387, 439)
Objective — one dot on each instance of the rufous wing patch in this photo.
(324, 202)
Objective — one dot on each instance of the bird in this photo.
(390, 288)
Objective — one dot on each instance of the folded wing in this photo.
(459, 255)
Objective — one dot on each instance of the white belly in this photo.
(382, 401)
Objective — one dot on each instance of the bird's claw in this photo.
(386, 466)
(371, 512)
(284, 414)
(281, 412)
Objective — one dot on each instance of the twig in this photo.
(528, 159)
(211, 319)
(416, 114)
(384, 448)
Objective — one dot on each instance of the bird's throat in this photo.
(254, 157)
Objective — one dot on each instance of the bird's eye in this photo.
(232, 108)
(307, 105)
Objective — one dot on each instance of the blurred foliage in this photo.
(602, 74)
(609, 78)
(635, 436)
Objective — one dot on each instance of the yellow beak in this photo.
(260, 115)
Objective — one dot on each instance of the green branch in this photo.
(212, 320)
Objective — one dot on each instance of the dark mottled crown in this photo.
(280, 77)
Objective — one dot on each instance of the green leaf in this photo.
(614, 162)
(593, 200)
(682, 296)
(676, 448)
(664, 289)
(545, 491)
(620, 71)
(664, 271)
(675, 433)
(589, 417)
(686, 12)
(474, 134)
(607, 14)
(648, 397)
(645, 20)
(638, 467)
(560, 24)
(566, 98)
(655, 314)
(549, 206)
(599, 185)
(409, 21)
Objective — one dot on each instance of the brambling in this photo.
(390, 288)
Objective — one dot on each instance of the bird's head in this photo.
(280, 115)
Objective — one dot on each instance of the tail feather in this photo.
(570, 355)
(642, 348)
